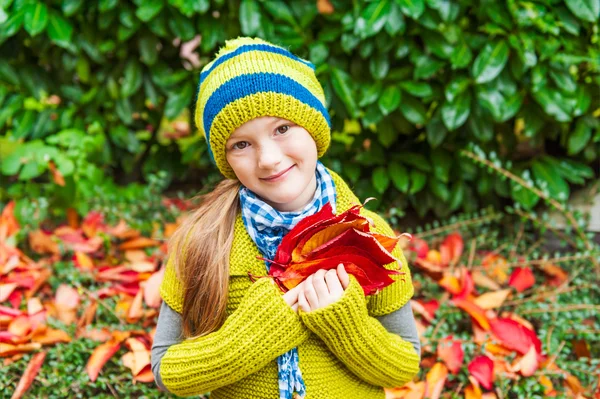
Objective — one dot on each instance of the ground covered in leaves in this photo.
(499, 317)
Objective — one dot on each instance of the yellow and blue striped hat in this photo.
(250, 78)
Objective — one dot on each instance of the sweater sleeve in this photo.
(361, 342)
(263, 327)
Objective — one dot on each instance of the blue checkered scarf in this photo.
(267, 227)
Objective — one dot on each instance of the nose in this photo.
(269, 156)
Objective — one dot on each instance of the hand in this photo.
(291, 297)
(323, 288)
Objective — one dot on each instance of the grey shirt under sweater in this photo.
(169, 332)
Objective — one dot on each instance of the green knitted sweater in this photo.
(344, 351)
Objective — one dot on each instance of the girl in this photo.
(262, 112)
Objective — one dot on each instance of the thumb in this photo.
(343, 276)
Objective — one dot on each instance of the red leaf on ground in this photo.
(482, 368)
(514, 335)
(521, 278)
(451, 353)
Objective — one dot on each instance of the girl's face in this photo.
(276, 159)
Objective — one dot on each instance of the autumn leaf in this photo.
(29, 375)
(103, 353)
(435, 380)
(515, 336)
(324, 240)
(482, 369)
(451, 353)
(521, 279)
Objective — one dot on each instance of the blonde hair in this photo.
(203, 264)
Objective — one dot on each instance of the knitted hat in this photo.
(250, 78)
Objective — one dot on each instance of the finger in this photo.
(343, 276)
(320, 284)
(310, 293)
(291, 296)
(334, 285)
(302, 302)
(295, 307)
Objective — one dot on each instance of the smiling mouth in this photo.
(274, 177)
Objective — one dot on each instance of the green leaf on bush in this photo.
(522, 195)
(380, 179)
(59, 29)
(547, 178)
(461, 56)
(490, 61)
(149, 9)
(417, 181)
(374, 17)
(412, 8)
(455, 114)
(369, 93)
(436, 131)
(342, 86)
(250, 17)
(413, 110)
(442, 162)
(439, 189)
(426, 67)
(36, 18)
(553, 103)
(587, 10)
(417, 89)
(389, 100)
(178, 100)
(456, 87)
(399, 176)
(573, 171)
(580, 137)
(132, 81)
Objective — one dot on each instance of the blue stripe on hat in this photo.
(244, 85)
(253, 47)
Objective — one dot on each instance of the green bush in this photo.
(102, 92)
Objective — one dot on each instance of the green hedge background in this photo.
(102, 92)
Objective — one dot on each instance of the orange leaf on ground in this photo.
(521, 279)
(50, 336)
(6, 290)
(451, 353)
(482, 368)
(435, 380)
(9, 349)
(29, 375)
(492, 300)
(20, 326)
(528, 364)
(137, 243)
(42, 243)
(496, 267)
(103, 353)
(450, 284)
(474, 311)
(92, 222)
(482, 280)
(473, 391)
(151, 288)
(83, 261)
(135, 310)
(8, 223)
(556, 274)
(138, 358)
(410, 390)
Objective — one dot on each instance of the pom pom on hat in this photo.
(250, 78)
